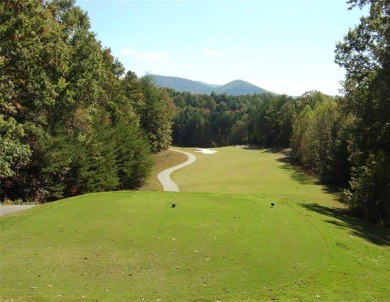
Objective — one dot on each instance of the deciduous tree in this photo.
(365, 55)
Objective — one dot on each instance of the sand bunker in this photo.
(206, 151)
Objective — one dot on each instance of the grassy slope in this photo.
(129, 246)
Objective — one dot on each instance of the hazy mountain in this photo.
(180, 84)
(214, 86)
(237, 87)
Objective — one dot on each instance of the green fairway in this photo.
(222, 242)
(250, 171)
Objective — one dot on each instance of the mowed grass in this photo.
(222, 242)
(251, 171)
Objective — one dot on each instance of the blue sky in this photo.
(284, 46)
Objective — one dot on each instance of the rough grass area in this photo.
(230, 245)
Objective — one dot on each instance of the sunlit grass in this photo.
(222, 242)
(135, 245)
(250, 171)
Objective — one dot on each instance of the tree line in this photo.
(344, 140)
(71, 120)
(313, 126)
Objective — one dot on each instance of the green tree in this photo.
(365, 54)
(190, 128)
(301, 124)
(240, 131)
(96, 164)
(319, 139)
(57, 154)
(285, 120)
(132, 154)
(13, 153)
(156, 115)
(133, 91)
(30, 54)
(365, 197)
(62, 102)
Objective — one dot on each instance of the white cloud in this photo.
(210, 53)
(152, 56)
(129, 52)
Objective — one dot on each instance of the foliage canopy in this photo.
(69, 122)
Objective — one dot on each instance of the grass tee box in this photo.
(133, 246)
(115, 246)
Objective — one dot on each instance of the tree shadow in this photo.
(297, 173)
(376, 234)
(250, 147)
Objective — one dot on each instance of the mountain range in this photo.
(237, 87)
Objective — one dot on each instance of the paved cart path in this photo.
(13, 208)
(164, 176)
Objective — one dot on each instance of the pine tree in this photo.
(156, 115)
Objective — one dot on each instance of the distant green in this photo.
(222, 242)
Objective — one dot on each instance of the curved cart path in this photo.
(13, 208)
(164, 176)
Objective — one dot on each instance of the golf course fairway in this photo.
(223, 241)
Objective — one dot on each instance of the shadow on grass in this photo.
(376, 234)
(297, 173)
(340, 218)
(250, 147)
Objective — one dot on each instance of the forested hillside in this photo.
(71, 122)
(180, 84)
(237, 87)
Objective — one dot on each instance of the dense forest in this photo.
(315, 128)
(72, 121)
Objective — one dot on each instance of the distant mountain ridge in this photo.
(237, 87)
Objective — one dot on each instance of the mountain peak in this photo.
(236, 87)
(240, 87)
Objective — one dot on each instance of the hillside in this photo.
(237, 87)
(240, 87)
(181, 84)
